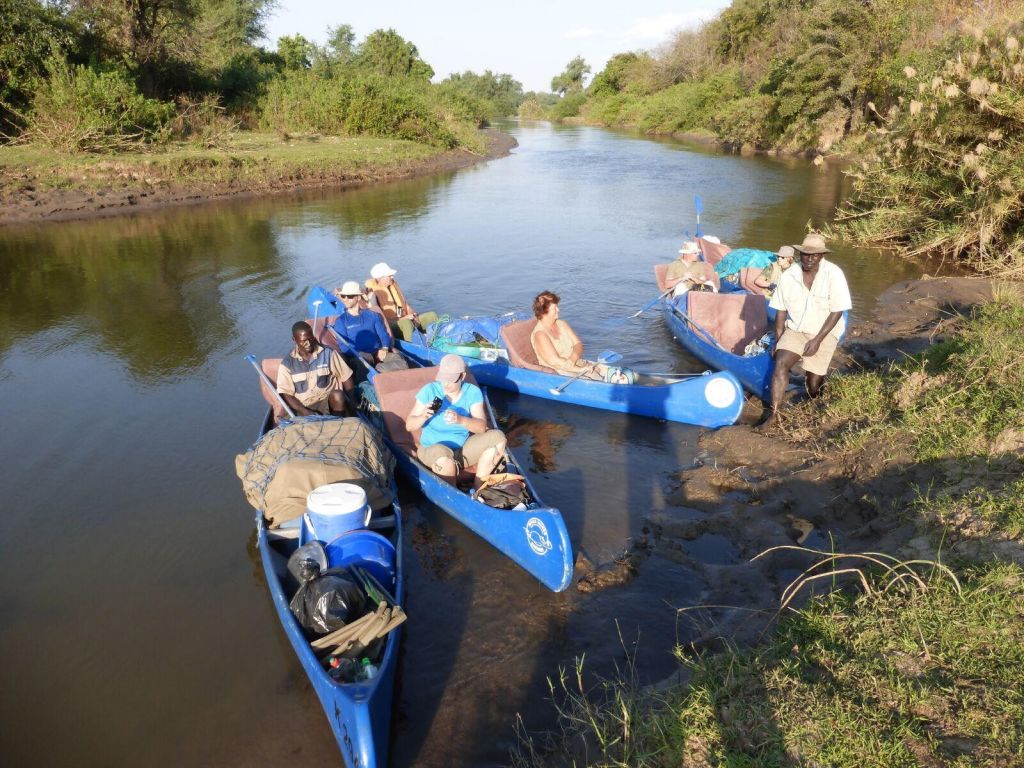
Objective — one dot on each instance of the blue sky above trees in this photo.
(531, 40)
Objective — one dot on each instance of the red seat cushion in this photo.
(520, 349)
(734, 319)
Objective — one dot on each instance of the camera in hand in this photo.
(437, 403)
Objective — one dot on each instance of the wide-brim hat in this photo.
(690, 247)
(786, 252)
(381, 269)
(450, 369)
(350, 288)
(813, 243)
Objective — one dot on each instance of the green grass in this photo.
(244, 158)
(955, 401)
(984, 512)
(907, 674)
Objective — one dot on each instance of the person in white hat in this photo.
(385, 293)
(687, 272)
(450, 411)
(364, 329)
(809, 302)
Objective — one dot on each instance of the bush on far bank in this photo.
(304, 101)
(78, 108)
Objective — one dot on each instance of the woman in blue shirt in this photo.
(450, 411)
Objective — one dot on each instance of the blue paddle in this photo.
(604, 358)
(652, 303)
(699, 205)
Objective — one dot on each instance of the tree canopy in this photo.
(571, 80)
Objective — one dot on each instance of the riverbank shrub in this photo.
(79, 108)
(906, 673)
(305, 101)
(946, 173)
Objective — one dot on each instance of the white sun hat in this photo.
(381, 269)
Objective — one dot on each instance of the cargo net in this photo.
(284, 465)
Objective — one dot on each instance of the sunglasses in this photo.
(351, 297)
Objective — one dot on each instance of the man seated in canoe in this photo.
(384, 292)
(312, 377)
(557, 346)
(364, 330)
(451, 413)
(687, 273)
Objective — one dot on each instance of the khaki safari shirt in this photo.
(311, 381)
(808, 308)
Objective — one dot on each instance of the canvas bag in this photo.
(503, 491)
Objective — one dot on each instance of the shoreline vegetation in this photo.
(40, 184)
(925, 98)
(896, 503)
(112, 107)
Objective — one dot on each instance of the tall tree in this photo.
(387, 52)
(571, 80)
(296, 51)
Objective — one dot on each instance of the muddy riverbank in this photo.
(26, 196)
(750, 492)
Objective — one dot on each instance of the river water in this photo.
(135, 627)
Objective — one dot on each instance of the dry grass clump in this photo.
(947, 173)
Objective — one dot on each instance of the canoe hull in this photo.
(754, 372)
(359, 713)
(535, 539)
(710, 400)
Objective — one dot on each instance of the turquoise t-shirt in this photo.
(437, 430)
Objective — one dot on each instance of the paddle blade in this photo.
(698, 204)
(608, 356)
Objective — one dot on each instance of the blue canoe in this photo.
(359, 713)
(707, 400)
(536, 538)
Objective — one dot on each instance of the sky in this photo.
(532, 40)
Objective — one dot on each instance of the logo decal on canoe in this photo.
(537, 536)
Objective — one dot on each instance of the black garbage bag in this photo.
(308, 561)
(327, 602)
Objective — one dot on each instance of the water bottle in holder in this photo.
(367, 670)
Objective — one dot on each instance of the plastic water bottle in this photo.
(344, 670)
(367, 671)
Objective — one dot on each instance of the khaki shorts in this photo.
(322, 407)
(468, 455)
(794, 341)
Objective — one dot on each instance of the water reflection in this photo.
(546, 438)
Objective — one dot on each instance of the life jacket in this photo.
(391, 300)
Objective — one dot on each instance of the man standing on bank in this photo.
(809, 302)
(313, 378)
